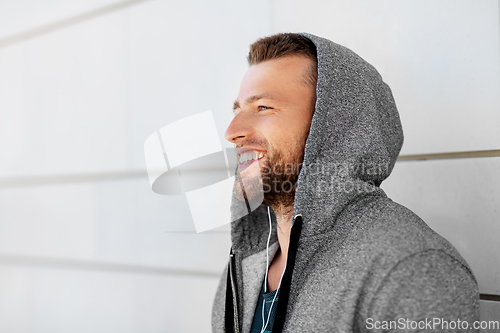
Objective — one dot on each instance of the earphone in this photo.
(265, 281)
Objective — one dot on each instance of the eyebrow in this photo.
(253, 99)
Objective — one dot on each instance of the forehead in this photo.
(282, 76)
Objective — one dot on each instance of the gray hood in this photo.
(353, 144)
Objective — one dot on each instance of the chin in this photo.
(248, 188)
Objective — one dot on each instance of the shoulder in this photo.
(426, 285)
(413, 271)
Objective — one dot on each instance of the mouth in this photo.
(246, 157)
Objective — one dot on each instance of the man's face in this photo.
(273, 113)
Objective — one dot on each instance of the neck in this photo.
(284, 215)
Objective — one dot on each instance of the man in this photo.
(321, 127)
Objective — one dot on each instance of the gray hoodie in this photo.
(357, 261)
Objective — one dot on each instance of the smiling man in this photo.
(317, 129)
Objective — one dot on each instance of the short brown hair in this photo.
(285, 44)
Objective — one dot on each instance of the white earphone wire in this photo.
(265, 281)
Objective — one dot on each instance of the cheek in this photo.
(285, 125)
(286, 134)
(298, 130)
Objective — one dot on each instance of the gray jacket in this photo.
(357, 260)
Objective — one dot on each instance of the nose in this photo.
(240, 128)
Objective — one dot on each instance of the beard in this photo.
(276, 181)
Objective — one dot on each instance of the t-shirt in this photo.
(259, 321)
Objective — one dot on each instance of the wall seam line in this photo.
(24, 260)
(66, 22)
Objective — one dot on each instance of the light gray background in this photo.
(86, 246)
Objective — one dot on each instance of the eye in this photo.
(263, 108)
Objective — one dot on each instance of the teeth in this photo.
(249, 156)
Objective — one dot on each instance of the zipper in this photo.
(234, 292)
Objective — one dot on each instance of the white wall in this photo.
(85, 245)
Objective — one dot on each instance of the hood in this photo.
(353, 143)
